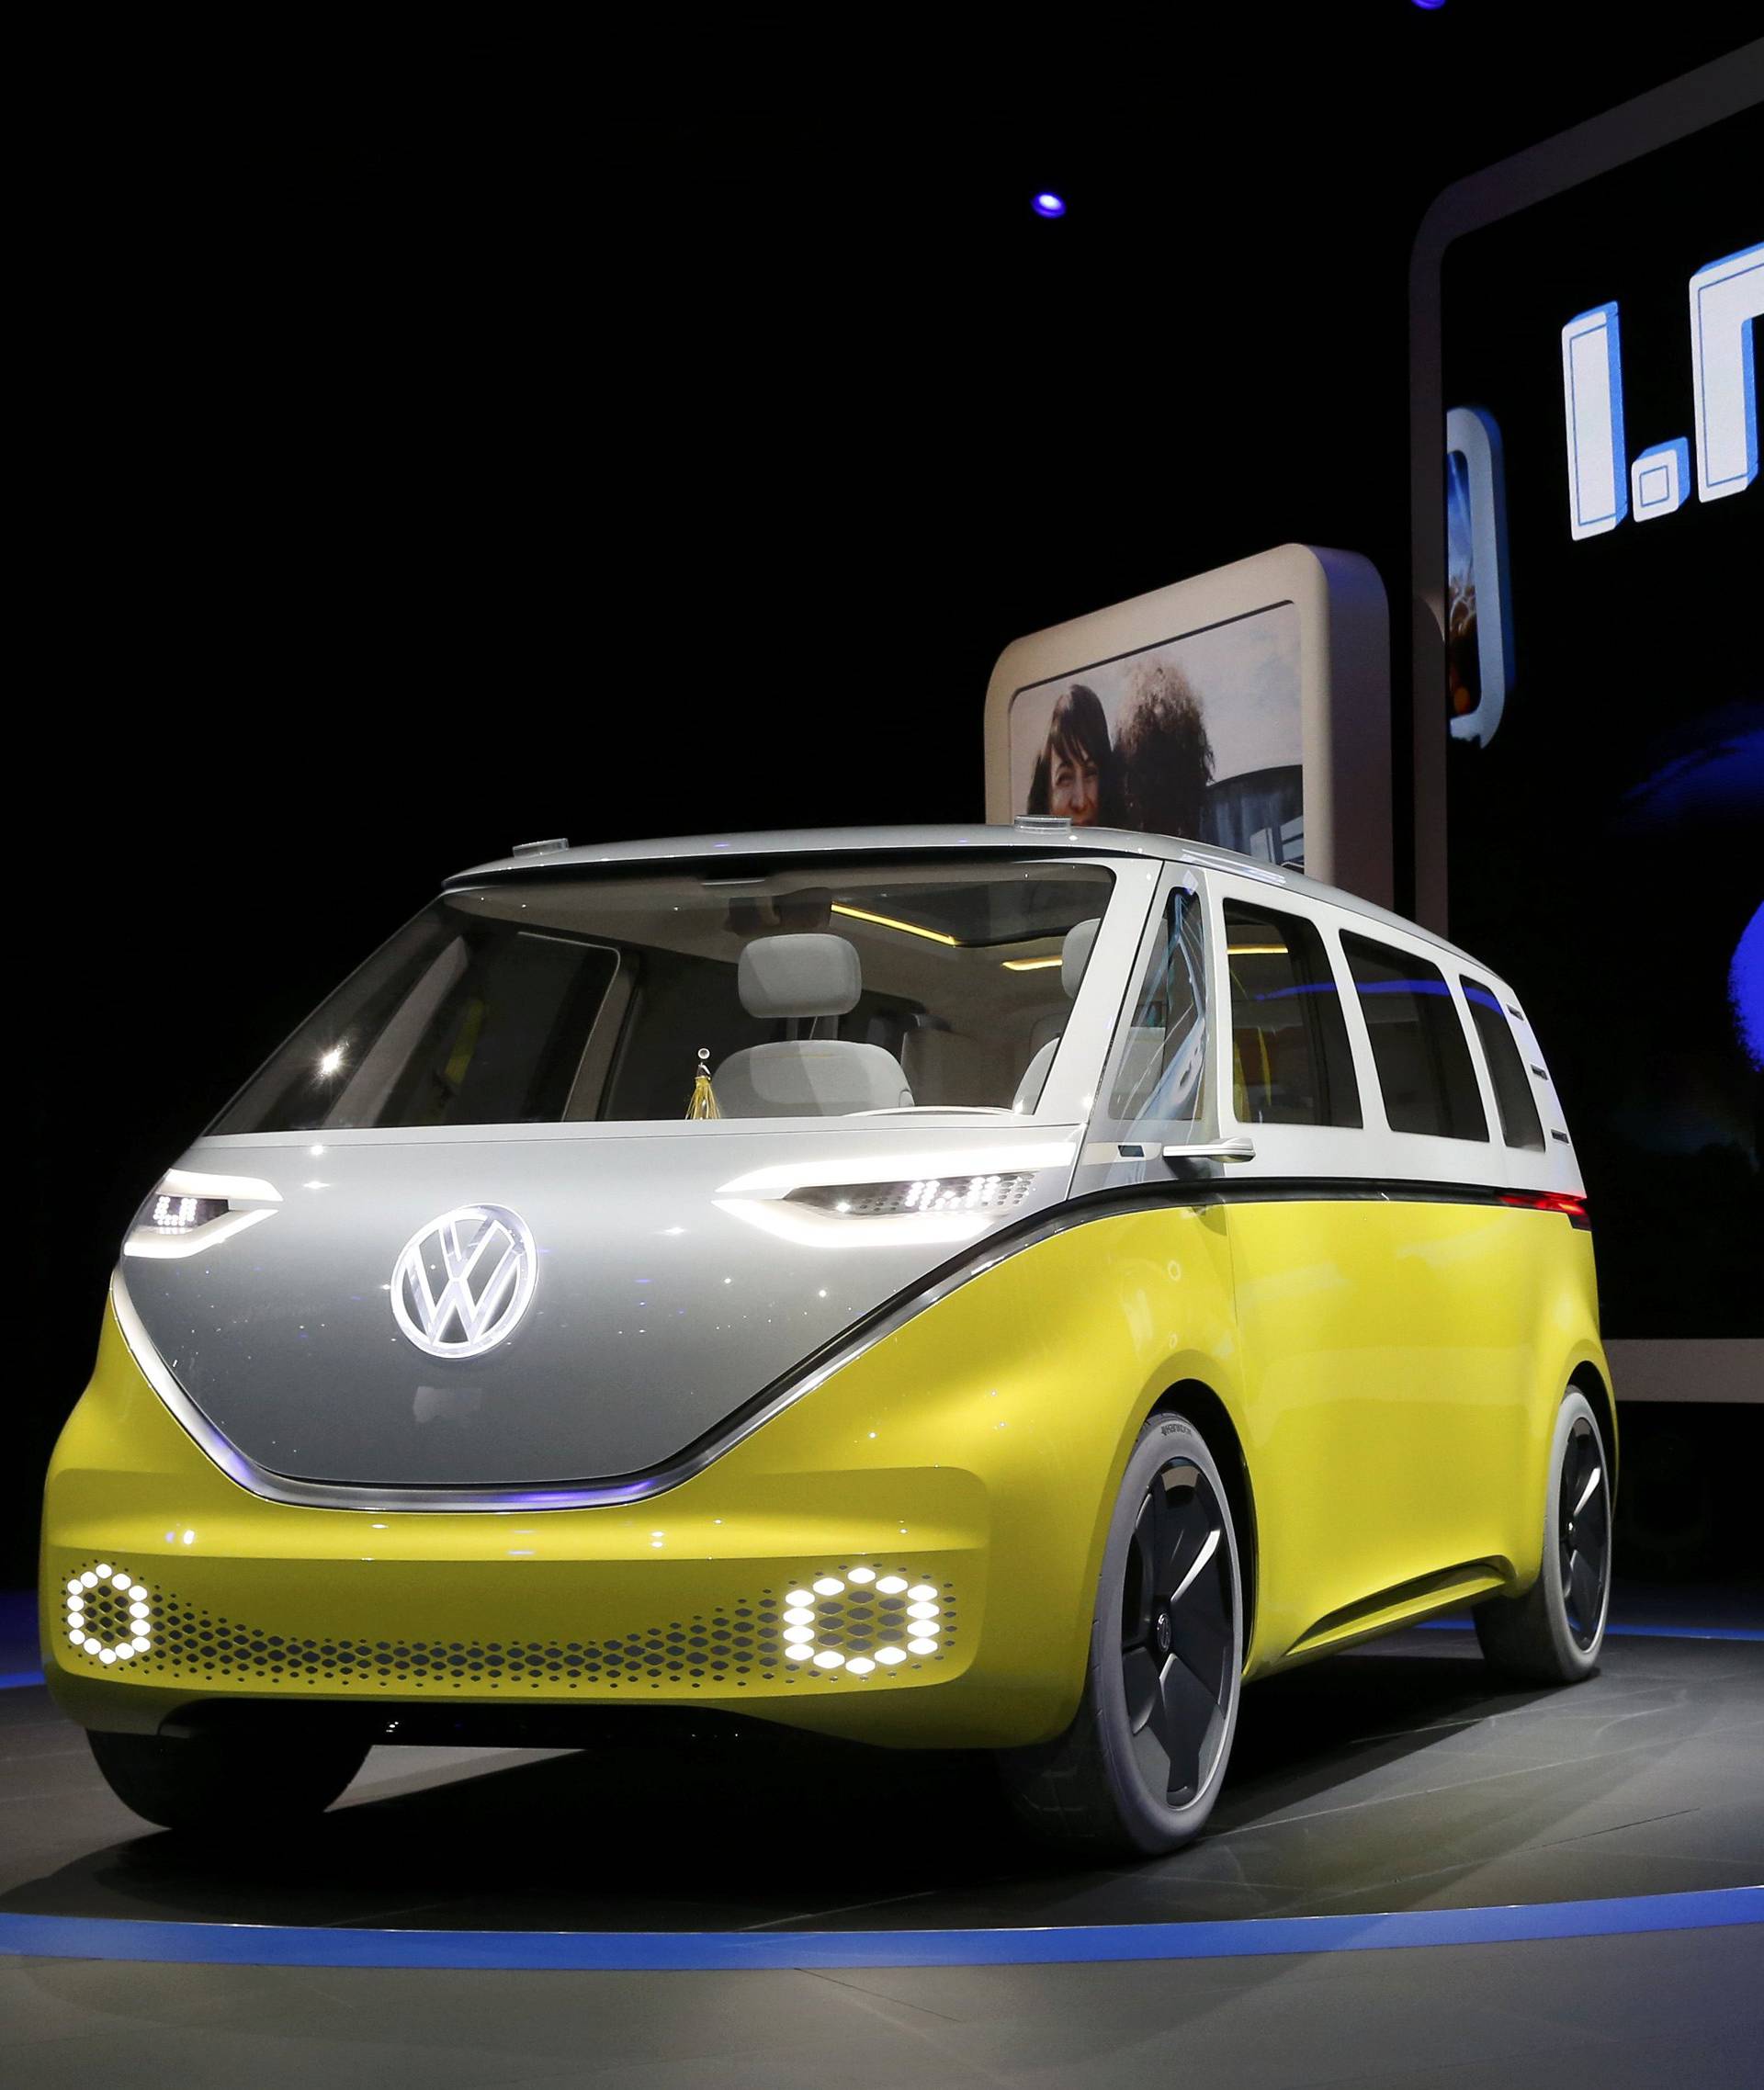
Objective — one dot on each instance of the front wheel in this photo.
(1553, 1633)
(209, 1784)
(1139, 1770)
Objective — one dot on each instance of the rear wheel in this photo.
(209, 1784)
(1139, 1770)
(1553, 1633)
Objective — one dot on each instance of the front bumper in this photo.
(937, 1501)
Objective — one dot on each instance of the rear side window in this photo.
(1290, 1059)
(1418, 1043)
(1519, 1123)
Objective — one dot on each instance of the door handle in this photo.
(1241, 1148)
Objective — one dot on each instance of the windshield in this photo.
(815, 989)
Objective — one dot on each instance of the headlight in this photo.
(884, 1199)
(163, 1214)
(926, 1193)
(189, 1214)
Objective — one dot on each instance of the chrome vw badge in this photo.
(461, 1285)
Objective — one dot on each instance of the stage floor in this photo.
(1393, 1779)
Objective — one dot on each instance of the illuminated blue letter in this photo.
(1593, 396)
(1725, 298)
(1659, 480)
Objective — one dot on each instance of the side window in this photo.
(1289, 1058)
(1418, 1043)
(1519, 1123)
(1162, 1073)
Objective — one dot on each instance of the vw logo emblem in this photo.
(461, 1285)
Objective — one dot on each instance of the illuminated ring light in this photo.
(912, 1610)
(110, 1598)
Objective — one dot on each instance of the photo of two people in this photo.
(1199, 736)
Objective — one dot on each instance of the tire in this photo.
(1137, 1772)
(1554, 1633)
(210, 1784)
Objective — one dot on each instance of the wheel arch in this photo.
(1195, 1400)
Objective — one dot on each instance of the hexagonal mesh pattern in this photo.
(857, 1632)
(866, 1620)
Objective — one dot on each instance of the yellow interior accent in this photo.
(905, 928)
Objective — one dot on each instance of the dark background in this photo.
(625, 447)
(1638, 683)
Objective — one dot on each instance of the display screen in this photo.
(1462, 670)
(1604, 693)
(1199, 736)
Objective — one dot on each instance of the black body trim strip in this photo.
(1439, 1584)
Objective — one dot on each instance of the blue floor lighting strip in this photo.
(20, 1679)
(234, 1944)
(1625, 1632)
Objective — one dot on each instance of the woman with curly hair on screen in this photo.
(1075, 773)
(1165, 755)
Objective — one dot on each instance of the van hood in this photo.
(567, 1304)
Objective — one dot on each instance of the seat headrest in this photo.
(799, 975)
(1075, 955)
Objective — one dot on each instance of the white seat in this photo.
(810, 1078)
(806, 975)
(1074, 955)
(1029, 1088)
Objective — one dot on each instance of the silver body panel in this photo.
(672, 1289)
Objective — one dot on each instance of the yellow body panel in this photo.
(1404, 1361)
(1391, 1370)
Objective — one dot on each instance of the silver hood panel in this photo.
(673, 1283)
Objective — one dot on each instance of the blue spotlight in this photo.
(1048, 205)
(1746, 986)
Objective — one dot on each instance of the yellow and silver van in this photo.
(1002, 1288)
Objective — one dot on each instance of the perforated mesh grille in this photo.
(741, 1646)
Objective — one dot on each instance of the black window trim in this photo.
(1503, 1012)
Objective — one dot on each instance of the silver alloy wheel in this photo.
(1551, 1631)
(1583, 1533)
(1177, 1648)
(1139, 1767)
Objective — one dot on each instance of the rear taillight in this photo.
(1572, 1208)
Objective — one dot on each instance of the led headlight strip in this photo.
(109, 1614)
(924, 1194)
(874, 1200)
(190, 1212)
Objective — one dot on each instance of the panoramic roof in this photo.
(1052, 838)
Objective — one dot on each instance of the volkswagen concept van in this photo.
(997, 1288)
